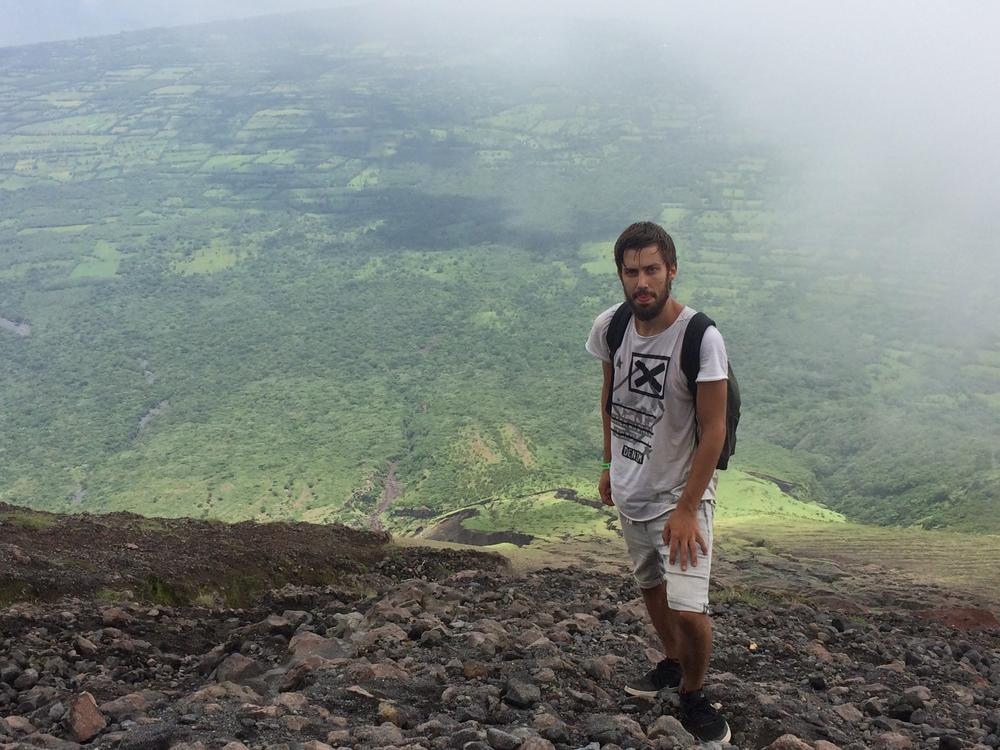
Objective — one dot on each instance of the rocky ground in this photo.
(415, 648)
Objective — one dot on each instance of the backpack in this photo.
(690, 364)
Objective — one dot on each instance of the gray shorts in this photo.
(687, 590)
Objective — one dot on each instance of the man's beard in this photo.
(650, 311)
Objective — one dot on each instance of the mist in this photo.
(884, 112)
(891, 96)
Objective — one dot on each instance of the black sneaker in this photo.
(702, 720)
(665, 675)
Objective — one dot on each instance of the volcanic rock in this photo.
(85, 721)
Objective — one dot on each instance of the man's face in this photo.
(646, 280)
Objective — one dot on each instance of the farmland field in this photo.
(249, 270)
(572, 528)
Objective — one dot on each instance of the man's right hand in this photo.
(604, 487)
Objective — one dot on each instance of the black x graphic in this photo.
(649, 376)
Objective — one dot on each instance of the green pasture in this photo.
(18, 270)
(31, 145)
(77, 125)
(170, 73)
(102, 264)
(542, 516)
(743, 500)
(224, 162)
(130, 73)
(598, 257)
(368, 177)
(67, 99)
(55, 230)
(279, 157)
(179, 90)
(218, 255)
(945, 558)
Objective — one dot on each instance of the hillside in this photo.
(277, 269)
(368, 645)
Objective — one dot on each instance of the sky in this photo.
(31, 21)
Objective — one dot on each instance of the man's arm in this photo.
(604, 485)
(681, 531)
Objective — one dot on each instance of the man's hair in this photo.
(643, 234)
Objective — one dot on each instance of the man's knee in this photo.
(691, 621)
(655, 590)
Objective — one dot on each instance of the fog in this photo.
(893, 95)
(890, 103)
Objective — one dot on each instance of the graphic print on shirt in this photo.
(637, 409)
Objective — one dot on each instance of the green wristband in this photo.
(606, 465)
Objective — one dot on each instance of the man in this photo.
(659, 466)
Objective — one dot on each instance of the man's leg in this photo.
(694, 644)
(644, 542)
(687, 598)
(663, 619)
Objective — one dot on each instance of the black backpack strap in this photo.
(614, 337)
(691, 349)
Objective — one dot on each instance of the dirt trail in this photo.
(391, 489)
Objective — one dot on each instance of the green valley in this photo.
(253, 270)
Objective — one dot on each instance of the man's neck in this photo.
(661, 322)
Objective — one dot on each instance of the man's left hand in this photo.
(682, 535)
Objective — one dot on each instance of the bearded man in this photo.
(661, 447)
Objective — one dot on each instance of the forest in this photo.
(248, 269)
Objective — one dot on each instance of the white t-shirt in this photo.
(652, 413)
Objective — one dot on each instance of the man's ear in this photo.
(672, 272)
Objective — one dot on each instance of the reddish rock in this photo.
(536, 743)
(848, 713)
(338, 736)
(223, 691)
(304, 645)
(295, 723)
(962, 618)
(238, 668)
(388, 633)
(387, 671)
(84, 720)
(892, 741)
(818, 651)
(116, 616)
(474, 669)
(789, 742)
(20, 725)
(295, 703)
(896, 666)
(84, 646)
(598, 669)
(127, 707)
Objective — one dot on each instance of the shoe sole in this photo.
(649, 694)
(728, 736)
